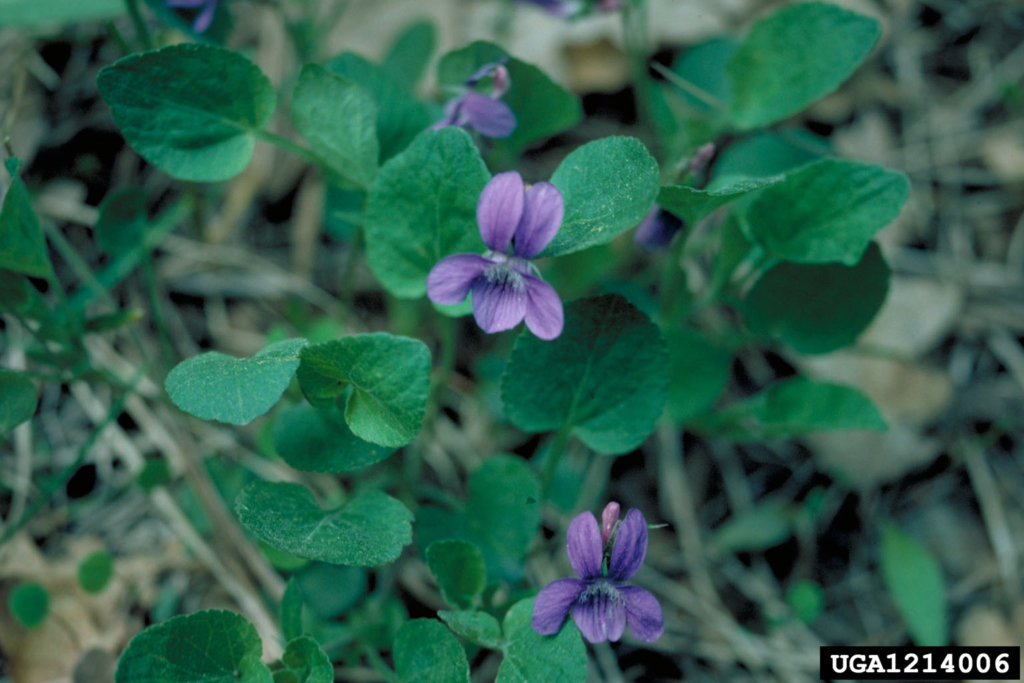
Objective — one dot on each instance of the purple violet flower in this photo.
(507, 288)
(487, 114)
(204, 18)
(601, 605)
(657, 229)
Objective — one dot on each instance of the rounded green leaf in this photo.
(609, 186)
(367, 531)
(699, 372)
(795, 407)
(29, 603)
(501, 516)
(531, 657)
(214, 386)
(476, 627)
(95, 571)
(339, 119)
(17, 399)
(318, 440)
(604, 377)
(763, 526)
(189, 109)
(22, 245)
(769, 153)
(795, 56)
(427, 652)
(389, 378)
(212, 646)
(914, 579)
(400, 116)
(817, 308)
(826, 211)
(542, 107)
(304, 662)
(422, 208)
(291, 610)
(459, 569)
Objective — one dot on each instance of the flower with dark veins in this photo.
(600, 603)
(489, 115)
(204, 18)
(507, 287)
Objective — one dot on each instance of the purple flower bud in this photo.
(600, 603)
(501, 80)
(486, 114)
(609, 518)
(702, 157)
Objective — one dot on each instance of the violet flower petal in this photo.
(601, 618)
(449, 280)
(500, 303)
(552, 604)
(500, 209)
(542, 217)
(205, 18)
(646, 621)
(492, 118)
(583, 540)
(544, 314)
(630, 547)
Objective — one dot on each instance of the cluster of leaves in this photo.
(793, 253)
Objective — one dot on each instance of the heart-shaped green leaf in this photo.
(339, 119)
(400, 117)
(367, 531)
(389, 377)
(817, 308)
(319, 440)
(826, 211)
(795, 56)
(608, 185)
(500, 518)
(422, 208)
(604, 377)
(427, 652)
(531, 657)
(214, 386)
(189, 109)
(212, 646)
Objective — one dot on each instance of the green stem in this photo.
(634, 30)
(286, 144)
(140, 25)
(375, 660)
(690, 88)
